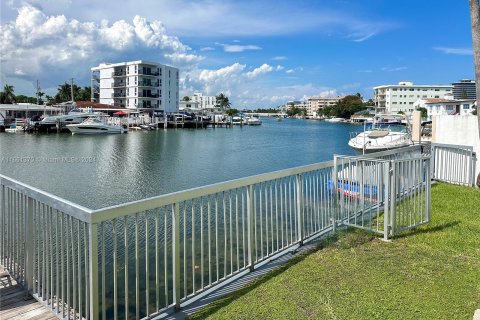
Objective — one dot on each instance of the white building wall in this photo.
(458, 130)
(204, 102)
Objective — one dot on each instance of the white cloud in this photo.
(363, 37)
(53, 48)
(290, 71)
(278, 58)
(457, 51)
(212, 75)
(239, 48)
(365, 71)
(183, 57)
(207, 49)
(264, 68)
(394, 69)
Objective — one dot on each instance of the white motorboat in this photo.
(380, 138)
(253, 121)
(335, 120)
(95, 125)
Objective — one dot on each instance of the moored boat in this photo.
(95, 125)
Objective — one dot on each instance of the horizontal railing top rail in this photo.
(77, 211)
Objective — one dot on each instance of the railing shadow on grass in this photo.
(343, 239)
(427, 230)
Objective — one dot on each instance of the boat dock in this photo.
(15, 303)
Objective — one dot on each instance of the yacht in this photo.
(73, 117)
(253, 121)
(381, 136)
(335, 120)
(95, 125)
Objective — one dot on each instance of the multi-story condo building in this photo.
(315, 103)
(464, 89)
(204, 102)
(138, 85)
(401, 97)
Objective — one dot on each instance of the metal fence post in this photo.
(29, 248)
(176, 255)
(428, 183)
(335, 194)
(250, 229)
(93, 270)
(300, 230)
(387, 181)
(393, 196)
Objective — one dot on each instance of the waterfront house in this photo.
(438, 107)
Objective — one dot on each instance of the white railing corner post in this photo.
(299, 207)
(93, 270)
(428, 186)
(336, 202)
(250, 229)
(29, 247)
(393, 198)
(176, 255)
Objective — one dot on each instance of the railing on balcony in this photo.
(119, 74)
(119, 95)
(140, 259)
(151, 73)
(148, 84)
(148, 95)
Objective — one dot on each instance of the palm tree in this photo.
(475, 18)
(222, 101)
(8, 95)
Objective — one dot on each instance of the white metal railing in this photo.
(142, 258)
(453, 164)
(371, 190)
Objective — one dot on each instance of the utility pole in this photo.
(71, 89)
(38, 91)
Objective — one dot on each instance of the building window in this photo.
(466, 106)
(437, 97)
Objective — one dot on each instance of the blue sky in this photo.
(260, 53)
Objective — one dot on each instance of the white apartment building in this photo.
(204, 102)
(140, 85)
(401, 97)
(315, 103)
(438, 107)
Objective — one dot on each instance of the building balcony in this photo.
(118, 95)
(119, 74)
(151, 73)
(149, 84)
(119, 85)
(151, 95)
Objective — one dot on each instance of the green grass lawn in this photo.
(429, 273)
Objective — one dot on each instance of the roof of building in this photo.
(95, 105)
(127, 63)
(436, 100)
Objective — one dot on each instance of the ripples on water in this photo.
(121, 168)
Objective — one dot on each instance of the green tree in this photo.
(7, 96)
(348, 105)
(423, 111)
(231, 112)
(186, 98)
(222, 101)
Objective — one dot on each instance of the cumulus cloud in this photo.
(264, 68)
(45, 45)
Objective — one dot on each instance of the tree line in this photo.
(64, 93)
